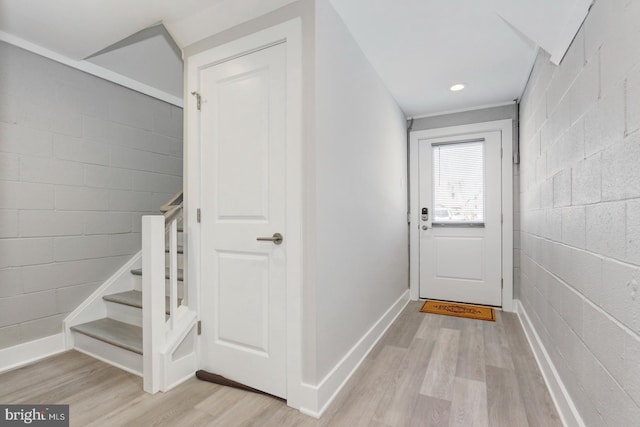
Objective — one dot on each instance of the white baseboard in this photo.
(320, 396)
(564, 403)
(32, 351)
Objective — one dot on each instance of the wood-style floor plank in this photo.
(538, 404)
(504, 401)
(22, 383)
(497, 349)
(430, 412)
(248, 411)
(402, 332)
(158, 409)
(430, 322)
(102, 398)
(428, 371)
(471, 363)
(439, 378)
(359, 408)
(469, 404)
(284, 416)
(401, 397)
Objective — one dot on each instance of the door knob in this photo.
(276, 239)
(424, 227)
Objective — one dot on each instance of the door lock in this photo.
(425, 214)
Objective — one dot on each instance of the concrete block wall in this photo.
(81, 160)
(580, 209)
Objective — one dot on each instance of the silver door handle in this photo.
(276, 239)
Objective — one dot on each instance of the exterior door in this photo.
(460, 209)
(243, 266)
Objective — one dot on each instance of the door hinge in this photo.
(199, 327)
(501, 218)
(198, 99)
(501, 283)
(501, 151)
(198, 215)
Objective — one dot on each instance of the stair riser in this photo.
(180, 238)
(180, 292)
(124, 313)
(137, 285)
(137, 282)
(180, 260)
(180, 289)
(116, 356)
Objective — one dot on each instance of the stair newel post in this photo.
(153, 300)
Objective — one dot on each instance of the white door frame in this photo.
(289, 32)
(506, 129)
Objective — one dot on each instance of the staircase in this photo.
(147, 335)
(117, 337)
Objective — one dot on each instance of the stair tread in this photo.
(130, 298)
(138, 272)
(133, 299)
(113, 332)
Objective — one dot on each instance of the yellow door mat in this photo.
(459, 310)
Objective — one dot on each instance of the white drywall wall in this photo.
(361, 199)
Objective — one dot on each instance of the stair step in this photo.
(133, 299)
(138, 272)
(111, 331)
(130, 298)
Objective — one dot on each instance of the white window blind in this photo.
(458, 183)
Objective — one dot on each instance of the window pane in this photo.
(458, 183)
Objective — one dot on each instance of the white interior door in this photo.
(460, 207)
(242, 134)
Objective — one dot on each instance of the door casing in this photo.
(289, 32)
(505, 127)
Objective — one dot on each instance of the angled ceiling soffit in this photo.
(550, 24)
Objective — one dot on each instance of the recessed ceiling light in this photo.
(457, 87)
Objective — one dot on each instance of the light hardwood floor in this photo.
(428, 370)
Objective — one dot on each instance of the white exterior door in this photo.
(460, 207)
(243, 279)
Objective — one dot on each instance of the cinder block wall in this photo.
(81, 160)
(580, 205)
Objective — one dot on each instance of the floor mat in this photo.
(459, 310)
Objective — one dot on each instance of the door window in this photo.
(458, 183)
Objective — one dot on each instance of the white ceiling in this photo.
(424, 47)
(419, 47)
(150, 56)
(80, 28)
